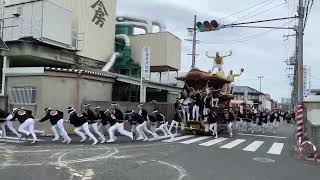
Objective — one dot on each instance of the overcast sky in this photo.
(258, 51)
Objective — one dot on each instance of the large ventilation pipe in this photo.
(136, 19)
(150, 23)
(161, 25)
(125, 38)
(111, 62)
(135, 24)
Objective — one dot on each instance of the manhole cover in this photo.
(264, 160)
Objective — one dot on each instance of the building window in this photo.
(25, 96)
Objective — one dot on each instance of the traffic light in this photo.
(207, 26)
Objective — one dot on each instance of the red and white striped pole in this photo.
(300, 124)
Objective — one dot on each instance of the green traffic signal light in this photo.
(201, 27)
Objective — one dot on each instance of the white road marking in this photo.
(23, 139)
(212, 142)
(195, 140)
(259, 135)
(233, 144)
(11, 141)
(276, 148)
(182, 172)
(178, 138)
(168, 136)
(253, 146)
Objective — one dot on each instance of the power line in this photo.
(238, 12)
(266, 10)
(264, 5)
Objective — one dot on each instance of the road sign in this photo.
(145, 65)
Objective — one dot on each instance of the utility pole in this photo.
(194, 43)
(309, 80)
(260, 78)
(193, 32)
(300, 52)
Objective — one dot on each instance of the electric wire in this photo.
(243, 10)
(265, 5)
(269, 9)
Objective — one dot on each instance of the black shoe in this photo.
(24, 136)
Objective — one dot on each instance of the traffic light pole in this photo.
(194, 43)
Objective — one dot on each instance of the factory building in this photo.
(66, 52)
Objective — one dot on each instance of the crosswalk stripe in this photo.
(17, 139)
(11, 141)
(233, 144)
(178, 138)
(276, 148)
(253, 146)
(212, 142)
(195, 140)
(168, 136)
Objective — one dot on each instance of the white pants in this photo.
(9, 124)
(107, 126)
(205, 113)
(153, 127)
(119, 127)
(230, 130)
(195, 113)
(94, 126)
(275, 125)
(58, 129)
(164, 129)
(185, 113)
(134, 130)
(176, 124)
(213, 127)
(85, 128)
(264, 126)
(219, 66)
(141, 128)
(27, 128)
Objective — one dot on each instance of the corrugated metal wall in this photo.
(95, 42)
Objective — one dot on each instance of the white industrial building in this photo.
(66, 52)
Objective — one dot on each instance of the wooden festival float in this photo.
(198, 80)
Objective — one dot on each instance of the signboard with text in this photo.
(145, 64)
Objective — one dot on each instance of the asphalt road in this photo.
(267, 157)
